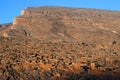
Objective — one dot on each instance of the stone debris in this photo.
(34, 59)
(57, 43)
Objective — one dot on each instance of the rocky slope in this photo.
(49, 43)
(58, 23)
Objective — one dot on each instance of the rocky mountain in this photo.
(59, 23)
(49, 43)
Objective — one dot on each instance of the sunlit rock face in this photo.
(69, 24)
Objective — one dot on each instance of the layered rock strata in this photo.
(57, 43)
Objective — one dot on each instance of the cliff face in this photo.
(58, 23)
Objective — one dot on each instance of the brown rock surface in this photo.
(49, 43)
(58, 23)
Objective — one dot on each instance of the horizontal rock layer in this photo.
(59, 23)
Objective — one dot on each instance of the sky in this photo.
(12, 8)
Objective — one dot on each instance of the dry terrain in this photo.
(57, 43)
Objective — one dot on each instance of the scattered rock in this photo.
(49, 43)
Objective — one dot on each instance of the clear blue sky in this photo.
(11, 8)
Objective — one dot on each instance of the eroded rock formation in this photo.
(50, 43)
(58, 23)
